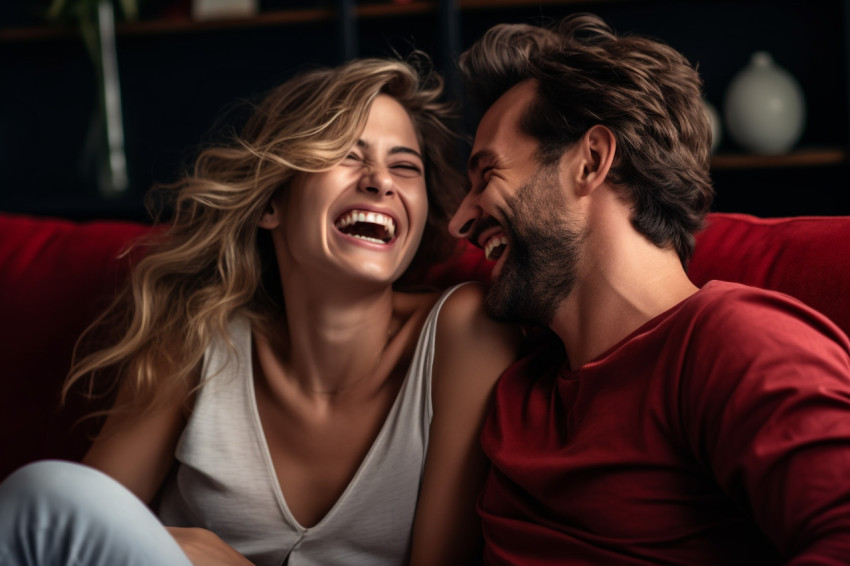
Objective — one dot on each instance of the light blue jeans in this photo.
(62, 513)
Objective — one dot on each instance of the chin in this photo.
(378, 276)
(528, 288)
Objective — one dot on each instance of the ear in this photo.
(596, 148)
(271, 216)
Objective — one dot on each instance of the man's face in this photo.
(518, 211)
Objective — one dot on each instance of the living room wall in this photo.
(182, 82)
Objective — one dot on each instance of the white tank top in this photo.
(225, 480)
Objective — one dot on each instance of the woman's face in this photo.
(365, 217)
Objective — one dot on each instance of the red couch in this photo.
(55, 275)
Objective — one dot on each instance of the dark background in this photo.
(181, 84)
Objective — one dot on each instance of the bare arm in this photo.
(137, 449)
(205, 548)
(472, 351)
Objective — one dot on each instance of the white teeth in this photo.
(494, 243)
(368, 239)
(355, 216)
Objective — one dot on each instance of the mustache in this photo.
(485, 224)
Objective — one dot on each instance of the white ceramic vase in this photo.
(716, 127)
(764, 107)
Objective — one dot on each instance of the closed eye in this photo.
(483, 178)
(410, 166)
(406, 169)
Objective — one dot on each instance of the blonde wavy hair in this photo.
(212, 260)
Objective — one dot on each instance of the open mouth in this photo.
(495, 247)
(367, 225)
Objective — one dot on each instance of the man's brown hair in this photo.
(643, 90)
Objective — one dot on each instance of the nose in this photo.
(376, 180)
(465, 218)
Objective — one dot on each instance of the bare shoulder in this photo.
(471, 351)
(469, 341)
(413, 304)
(464, 317)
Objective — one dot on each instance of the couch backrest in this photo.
(55, 276)
(807, 257)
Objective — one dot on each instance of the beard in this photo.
(544, 248)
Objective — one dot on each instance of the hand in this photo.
(205, 548)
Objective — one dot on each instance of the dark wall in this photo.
(181, 88)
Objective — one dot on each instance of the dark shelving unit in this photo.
(180, 79)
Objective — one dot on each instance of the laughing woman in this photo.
(281, 401)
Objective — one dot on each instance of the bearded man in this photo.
(662, 423)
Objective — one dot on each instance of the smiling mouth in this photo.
(366, 225)
(495, 247)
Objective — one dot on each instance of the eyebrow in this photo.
(476, 159)
(363, 144)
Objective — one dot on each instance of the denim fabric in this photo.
(61, 513)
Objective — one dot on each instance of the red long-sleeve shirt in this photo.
(717, 433)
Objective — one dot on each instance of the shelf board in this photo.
(183, 25)
(37, 33)
(171, 25)
(264, 19)
(272, 19)
(487, 4)
(808, 157)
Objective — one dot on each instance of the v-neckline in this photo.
(269, 462)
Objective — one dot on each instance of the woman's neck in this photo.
(331, 342)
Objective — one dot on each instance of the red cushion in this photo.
(54, 277)
(467, 264)
(805, 257)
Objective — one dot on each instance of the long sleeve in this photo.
(767, 410)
